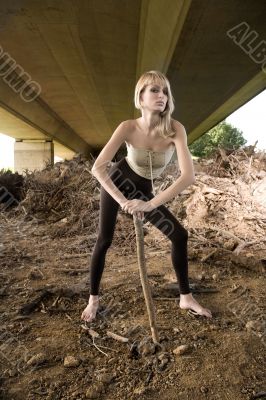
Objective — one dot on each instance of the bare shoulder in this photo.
(132, 123)
(119, 136)
(178, 127)
(129, 126)
(127, 123)
(123, 129)
(180, 130)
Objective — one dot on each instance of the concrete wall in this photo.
(32, 155)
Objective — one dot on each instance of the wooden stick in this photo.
(117, 337)
(144, 278)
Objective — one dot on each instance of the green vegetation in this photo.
(223, 135)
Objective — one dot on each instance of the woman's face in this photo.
(154, 97)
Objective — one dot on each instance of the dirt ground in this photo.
(47, 352)
(225, 359)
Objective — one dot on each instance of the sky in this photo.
(250, 119)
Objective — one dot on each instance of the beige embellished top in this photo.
(148, 163)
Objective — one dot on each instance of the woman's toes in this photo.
(195, 306)
(85, 317)
(90, 312)
(208, 313)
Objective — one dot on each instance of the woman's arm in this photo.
(185, 163)
(106, 155)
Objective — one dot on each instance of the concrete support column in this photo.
(32, 154)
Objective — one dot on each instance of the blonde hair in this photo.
(164, 127)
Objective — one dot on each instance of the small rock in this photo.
(105, 377)
(253, 326)
(184, 348)
(38, 359)
(177, 330)
(164, 361)
(70, 361)
(201, 276)
(215, 277)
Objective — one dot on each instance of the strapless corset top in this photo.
(148, 163)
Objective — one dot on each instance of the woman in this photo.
(151, 140)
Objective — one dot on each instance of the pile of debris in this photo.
(65, 199)
(224, 210)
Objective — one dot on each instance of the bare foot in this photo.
(187, 301)
(90, 311)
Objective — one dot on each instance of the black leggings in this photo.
(134, 186)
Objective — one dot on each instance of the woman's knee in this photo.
(179, 234)
(103, 243)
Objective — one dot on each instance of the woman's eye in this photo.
(156, 90)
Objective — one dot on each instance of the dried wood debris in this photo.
(224, 210)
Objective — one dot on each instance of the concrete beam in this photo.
(89, 56)
(242, 96)
(86, 73)
(40, 116)
(18, 129)
(157, 39)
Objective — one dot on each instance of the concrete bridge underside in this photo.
(86, 57)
